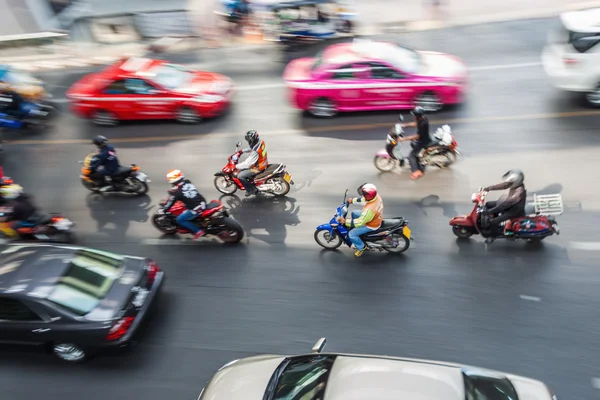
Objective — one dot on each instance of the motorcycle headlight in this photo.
(209, 98)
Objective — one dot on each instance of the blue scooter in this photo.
(393, 235)
(35, 115)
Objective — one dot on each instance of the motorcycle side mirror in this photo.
(345, 195)
(480, 188)
(238, 145)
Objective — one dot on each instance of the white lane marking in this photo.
(259, 87)
(530, 298)
(596, 383)
(504, 66)
(587, 246)
(59, 101)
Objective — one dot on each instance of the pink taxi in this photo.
(366, 76)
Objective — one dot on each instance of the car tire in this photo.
(429, 101)
(187, 115)
(104, 118)
(593, 98)
(322, 108)
(69, 352)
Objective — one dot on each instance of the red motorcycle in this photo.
(275, 179)
(538, 223)
(214, 220)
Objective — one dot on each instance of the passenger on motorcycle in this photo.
(105, 163)
(11, 102)
(420, 141)
(184, 190)
(369, 219)
(18, 209)
(508, 206)
(256, 162)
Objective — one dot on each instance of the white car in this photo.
(572, 57)
(332, 376)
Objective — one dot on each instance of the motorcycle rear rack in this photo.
(548, 204)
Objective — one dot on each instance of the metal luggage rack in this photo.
(548, 204)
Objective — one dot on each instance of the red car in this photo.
(142, 88)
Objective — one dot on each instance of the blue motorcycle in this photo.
(393, 236)
(34, 115)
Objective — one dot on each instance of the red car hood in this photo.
(206, 83)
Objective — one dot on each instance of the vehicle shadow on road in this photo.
(118, 210)
(264, 213)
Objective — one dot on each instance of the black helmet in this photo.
(418, 111)
(252, 138)
(515, 177)
(100, 141)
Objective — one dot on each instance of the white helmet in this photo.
(174, 176)
(11, 192)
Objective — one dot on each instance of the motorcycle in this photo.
(126, 180)
(274, 180)
(215, 220)
(538, 223)
(393, 236)
(37, 115)
(44, 227)
(442, 152)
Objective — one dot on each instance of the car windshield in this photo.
(304, 378)
(487, 387)
(86, 280)
(170, 76)
(319, 61)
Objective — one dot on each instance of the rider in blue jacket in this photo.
(105, 163)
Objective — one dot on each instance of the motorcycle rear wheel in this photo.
(224, 185)
(138, 186)
(327, 241)
(403, 243)
(164, 223)
(233, 233)
(384, 164)
(283, 188)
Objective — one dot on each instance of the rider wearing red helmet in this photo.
(369, 219)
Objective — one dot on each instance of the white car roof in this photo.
(583, 21)
(359, 378)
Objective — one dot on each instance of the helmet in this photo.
(515, 177)
(418, 111)
(11, 192)
(252, 138)
(174, 176)
(100, 141)
(368, 190)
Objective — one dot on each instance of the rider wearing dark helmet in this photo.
(105, 163)
(508, 206)
(421, 140)
(255, 163)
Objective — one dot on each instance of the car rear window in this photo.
(583, 42)
(482, 386)
(86, 280)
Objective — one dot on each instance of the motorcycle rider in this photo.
(20, 206)
(421, 140)
(184, 190)
(107, 160)
(508, 206)
(256, 162)
(369, 219)
(11, 101)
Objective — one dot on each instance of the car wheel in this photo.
(593, 98)
(104, 118)
(323, 108)
(429, 101)
(187, 115)
(69, 352)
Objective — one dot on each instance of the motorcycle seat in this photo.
(213, 204)
(211, 208)
(123, 171)
(270, 169)
(387, 224)
(39, 219)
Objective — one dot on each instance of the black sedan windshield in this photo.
(303, 378)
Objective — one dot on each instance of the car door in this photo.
(346, 86)
(391, 87)
(20, 324)
(116, 100)
(150, 101)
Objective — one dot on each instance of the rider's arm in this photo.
(170, 201)
(500, 186)
(365, 217)
(249, 162)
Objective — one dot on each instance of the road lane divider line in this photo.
(530, 298)
(357, 127)
(585, 246)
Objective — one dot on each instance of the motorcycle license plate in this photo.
(406, 231)
(141, 176)
(63, 225)
(287, 177)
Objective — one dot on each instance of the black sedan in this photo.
(75, 301)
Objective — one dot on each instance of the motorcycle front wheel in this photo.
(384, 164)
(327, 240)
(224, 185)
(138, 187)
(462, 232)
(89, 185)
(164, 223)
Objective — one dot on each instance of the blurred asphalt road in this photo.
(514, 307)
